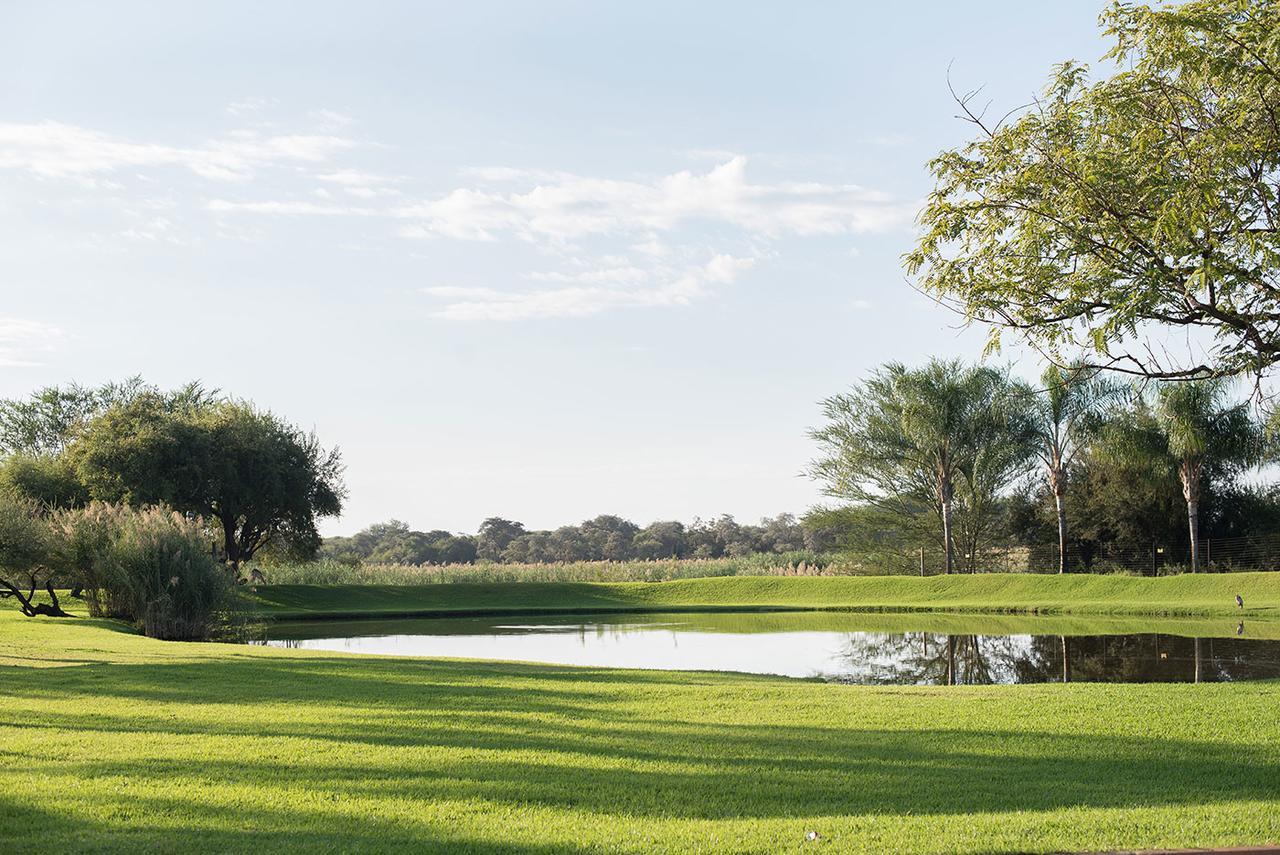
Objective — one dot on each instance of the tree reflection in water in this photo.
(923, 658)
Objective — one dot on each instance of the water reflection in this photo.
(867, 649)
(934, 659)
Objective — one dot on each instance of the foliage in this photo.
(947, 437)
(25, 543)
(261, 478)
(1145, 202)
(45, 422)
(604, 538)
(150, 566)
(1194, 431)
(47, 479)
(1066, 417)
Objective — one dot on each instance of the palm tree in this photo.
(1193, 429)
(1066, 417)
(911, 436)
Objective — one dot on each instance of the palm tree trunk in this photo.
(949, 548)
(1193, 523)
(1062, 531)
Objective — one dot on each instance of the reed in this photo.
(339, 573)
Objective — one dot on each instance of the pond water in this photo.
(867, 649)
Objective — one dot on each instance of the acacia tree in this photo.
(908, 438)
(1193, 429)
(1108, 214)
(44, 423)
(260, 478)
(1066, 416)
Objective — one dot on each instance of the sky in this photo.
(534, 260)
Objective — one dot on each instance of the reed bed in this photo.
(339, 573)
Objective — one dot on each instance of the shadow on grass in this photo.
(598, 740)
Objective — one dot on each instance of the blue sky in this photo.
(539, 260)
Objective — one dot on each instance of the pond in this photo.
(856, 648)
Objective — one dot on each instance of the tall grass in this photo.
(149, 566)
(338, 573)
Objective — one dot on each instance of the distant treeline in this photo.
(604, 538)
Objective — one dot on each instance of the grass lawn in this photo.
(113, 742)
(1187, 595)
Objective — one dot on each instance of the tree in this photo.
(662, 539)
(1065, 418)
(1195, 431)
(1111, 213)
(24, 552)
(495, 536)
(907, 438)
(259, 477)
(609, 537)
(45, 422)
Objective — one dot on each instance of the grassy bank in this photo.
(113, 742)
(1188, 595)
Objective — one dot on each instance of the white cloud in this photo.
(288, 208)
(249, 105)
(23, 341)
(357, 178)
(57, 150)
(571, 207)
(331, 119)
(580, 300)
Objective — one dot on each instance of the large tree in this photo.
(1109, 214)
(260, 478)
(912, 438)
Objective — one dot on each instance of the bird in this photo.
(1240, 628)
(1239, 601)
(812, 835)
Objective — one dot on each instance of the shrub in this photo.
(150, 567)
(24, 556)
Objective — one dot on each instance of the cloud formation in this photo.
(57, 150)
(592, 292)
(567, 207)
(23, 341)
(664, 240)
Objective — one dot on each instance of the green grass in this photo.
(1187, 595)
(110, 742)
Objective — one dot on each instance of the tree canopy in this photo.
(260, 477)
(1109, 214)
(914, 439)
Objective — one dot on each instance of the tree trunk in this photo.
(29, 608)
(1189, 473)
(230, 546)
(1066, 661)
(1193, 523)
(1062, 531)
(948, 547)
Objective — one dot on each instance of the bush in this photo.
(51, 481)
(151, 567)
